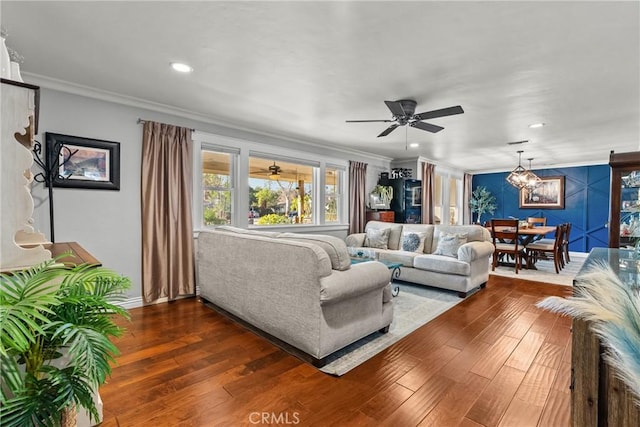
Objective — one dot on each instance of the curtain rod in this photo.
(144, 121)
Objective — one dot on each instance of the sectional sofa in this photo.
(299, 290)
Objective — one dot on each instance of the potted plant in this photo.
(482, 201)
(55, 351)
(380, 197)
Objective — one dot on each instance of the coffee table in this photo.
(393, 266)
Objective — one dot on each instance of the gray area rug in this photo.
(546, 272)
(413, 307)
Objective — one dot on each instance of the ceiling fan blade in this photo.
(439, 113)
(426, 126)
(388, 130)
(368, 121)
(396, 108)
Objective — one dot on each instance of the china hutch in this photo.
(624, 216)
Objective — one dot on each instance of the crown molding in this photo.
(130, 101)
(543, 167)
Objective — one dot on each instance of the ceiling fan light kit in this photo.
(403, 114)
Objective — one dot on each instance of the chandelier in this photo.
(531, 179)
(522, 178)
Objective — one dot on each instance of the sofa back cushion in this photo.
(335, 248)
(475, 233)
(395, 231)
(231, 229)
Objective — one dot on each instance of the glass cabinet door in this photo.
(629, 208)
(624, 216)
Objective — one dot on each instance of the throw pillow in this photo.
(448, 244)
(377, 238)
(413, 242)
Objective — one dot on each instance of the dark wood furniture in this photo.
(598, 398)
(544, 249)
(384, 216)
(79, 255)
(625, 203)
(504, 233)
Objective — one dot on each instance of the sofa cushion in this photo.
(333, 246)
(403, 257)
(394, 233)
(413, 242)
(441, 264)
(377, 238)
(448, 244)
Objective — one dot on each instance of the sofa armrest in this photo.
(472, 251)
(359, 279)
(355, 240)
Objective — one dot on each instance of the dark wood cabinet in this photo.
(385, 216)
(624, 215)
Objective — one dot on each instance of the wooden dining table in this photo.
(527, 235)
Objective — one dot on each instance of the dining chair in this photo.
(504, 233)
(537, 249)
(533, 221)
(565, 243)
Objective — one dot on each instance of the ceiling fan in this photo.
(403, 114)
(273, 171)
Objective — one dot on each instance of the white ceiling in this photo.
(300, 69)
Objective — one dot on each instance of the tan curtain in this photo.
(167, 233)
(357, 196)
(466, 196)
(428, 192)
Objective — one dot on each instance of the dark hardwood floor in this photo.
(492, 360)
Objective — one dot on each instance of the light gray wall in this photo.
(107, 223)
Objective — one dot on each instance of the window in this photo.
(217, 188)
(453, 201)
(437, 209)
(280, 192)
(248, 184)
(332, 194)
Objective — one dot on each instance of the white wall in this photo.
(107, 223)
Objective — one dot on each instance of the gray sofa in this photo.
(299, 289)
(466, 269)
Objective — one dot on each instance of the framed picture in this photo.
(416, 196)
(83, 162)
(549, 194)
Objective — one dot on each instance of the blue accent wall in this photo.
(586, 203)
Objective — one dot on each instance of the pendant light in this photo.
(517, 176)
(531, 179)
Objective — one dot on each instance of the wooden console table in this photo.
(80, 255)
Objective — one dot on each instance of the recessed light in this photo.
(414, 145)
(536, 125)
(183, 68)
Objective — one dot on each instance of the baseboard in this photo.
(135, 302)
(129, 303)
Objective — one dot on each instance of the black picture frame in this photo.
(83, 162)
